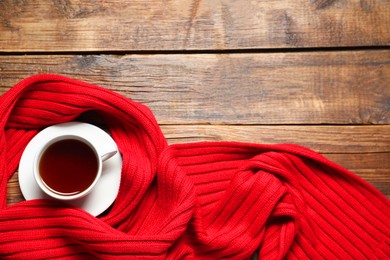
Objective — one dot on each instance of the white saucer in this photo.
(105, 191)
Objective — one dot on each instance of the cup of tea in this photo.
(67, 167)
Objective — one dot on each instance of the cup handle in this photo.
(108, 155)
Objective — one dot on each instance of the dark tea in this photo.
(68, 167)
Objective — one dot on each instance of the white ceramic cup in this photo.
(100, 158)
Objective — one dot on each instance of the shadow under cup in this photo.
(67, 167)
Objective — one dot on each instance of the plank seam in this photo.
(201, 51)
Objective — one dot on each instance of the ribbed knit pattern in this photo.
(211, 200)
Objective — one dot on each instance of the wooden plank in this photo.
(265, 88)
(373, 168)
(14, 193)
(83, 25)
(323, 139)
(365, 150)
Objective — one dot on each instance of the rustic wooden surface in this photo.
(96, 25)
(315, 72)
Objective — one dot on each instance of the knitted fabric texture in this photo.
(208, 200)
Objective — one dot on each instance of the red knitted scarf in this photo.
(202, 200)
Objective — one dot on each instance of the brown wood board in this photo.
(157, 25)
(350, 87)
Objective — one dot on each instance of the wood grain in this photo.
(323, 139)
(372, 167)
(14, 194)
(347, 87)
(97, 25)
(363, 150)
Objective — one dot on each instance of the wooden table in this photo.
(313, 72)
